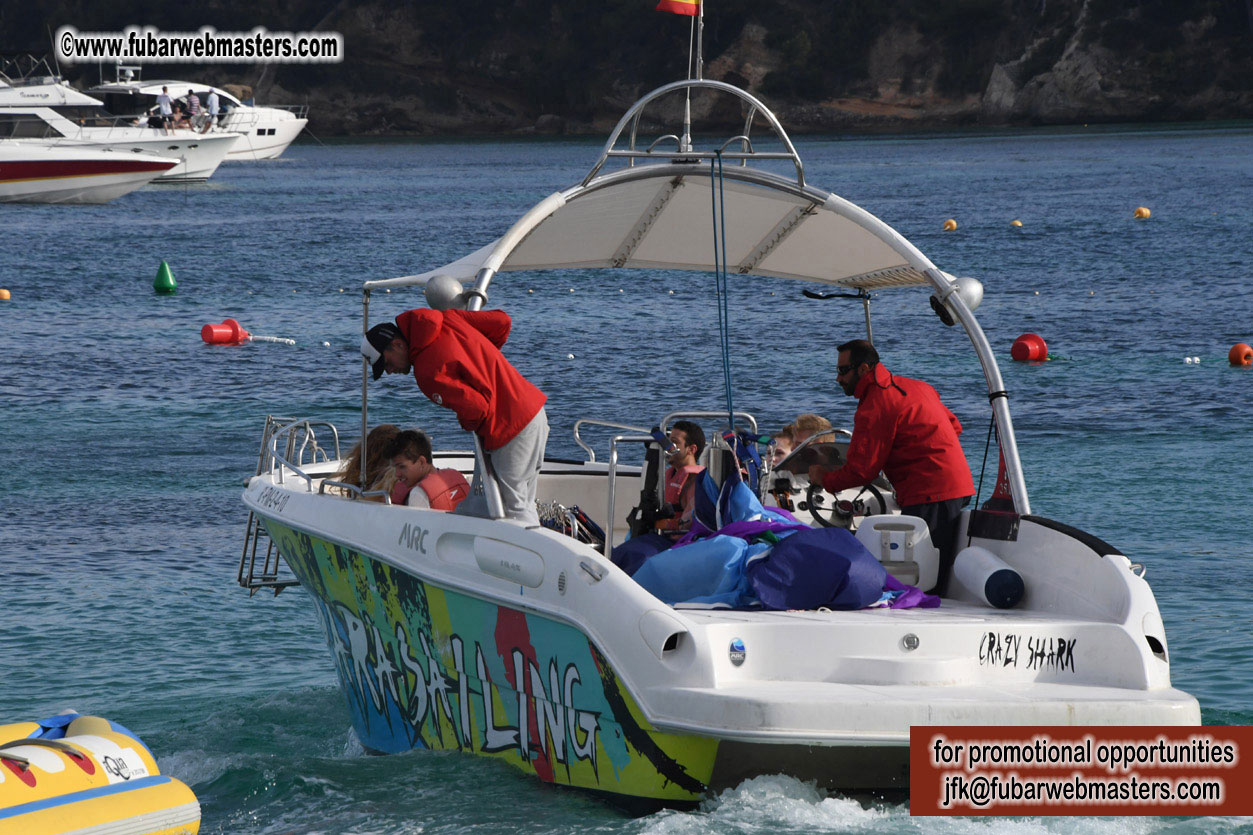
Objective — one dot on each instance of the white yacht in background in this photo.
(264, 132)
(45, 109)
(39, 173)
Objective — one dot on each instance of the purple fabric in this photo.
(743, 530)
(818, 567)
(913, 597)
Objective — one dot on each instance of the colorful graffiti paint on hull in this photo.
(428, 667)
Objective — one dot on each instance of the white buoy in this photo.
(326, 344)
(1037, 292)
(569, 356)
(672, 292)
(1187, 360)
(1196, 360)
(571, 289)
(530, 291)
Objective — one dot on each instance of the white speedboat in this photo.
(47, 109)
(530, 646)
(37, 173)
(264, 131)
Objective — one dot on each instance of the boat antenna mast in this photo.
(695, 71)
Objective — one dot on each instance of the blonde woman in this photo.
(378, 467)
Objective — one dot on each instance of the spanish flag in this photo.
(687, 7)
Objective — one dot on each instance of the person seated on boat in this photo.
(166, 105)
(180, 117)
(456, 360)
(679, 494)
(424, 485)
(378, 467)
(818, 432)
(783, 442)
(902, 428)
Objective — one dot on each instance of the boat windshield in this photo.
(127, 103)
(26, 126)
(87, 116)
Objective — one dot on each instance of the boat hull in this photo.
(75, 181)
(267, 140)
(423, 666)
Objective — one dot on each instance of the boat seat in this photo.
(902, 544)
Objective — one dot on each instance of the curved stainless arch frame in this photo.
(918, 269)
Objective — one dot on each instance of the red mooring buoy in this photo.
(1240, 355)
(229, 332)
(1029, 347)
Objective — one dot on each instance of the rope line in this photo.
(720, 279)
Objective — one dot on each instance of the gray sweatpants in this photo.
(516, 468)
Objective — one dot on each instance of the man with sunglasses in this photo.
(902, 429)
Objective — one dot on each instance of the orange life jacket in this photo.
(445, 489)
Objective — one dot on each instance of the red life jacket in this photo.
(400, 492)
(445, 489)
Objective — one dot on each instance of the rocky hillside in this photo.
(502, 66)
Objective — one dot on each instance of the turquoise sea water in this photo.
(125, 439)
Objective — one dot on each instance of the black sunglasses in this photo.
(841, 370)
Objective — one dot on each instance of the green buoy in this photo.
(164, 283)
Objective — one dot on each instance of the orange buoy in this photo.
(1015, 223)
(1240, 355)
(229, 332)
(950, 225)
(1142, 212)
(4, 294)
(1029, 347)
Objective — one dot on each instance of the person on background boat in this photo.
(378, 469)
(417, 478)
(680, 485)
(194, 112)
(456, 360)
(211, 111)
(166, 105)
(903, 429)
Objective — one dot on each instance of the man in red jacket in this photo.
(455, 358)
(903, 429)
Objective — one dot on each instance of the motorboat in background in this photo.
(264, 131)
(529, 645)
(63, 173)
(44, 108)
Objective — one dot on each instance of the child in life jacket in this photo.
(427, 487)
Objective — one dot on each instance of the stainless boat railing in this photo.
(298, 439)
(581, 422)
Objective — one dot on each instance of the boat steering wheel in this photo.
(840, 513)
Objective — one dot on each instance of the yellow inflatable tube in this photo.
(86, 775)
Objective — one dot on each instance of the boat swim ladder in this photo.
(288, 432)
